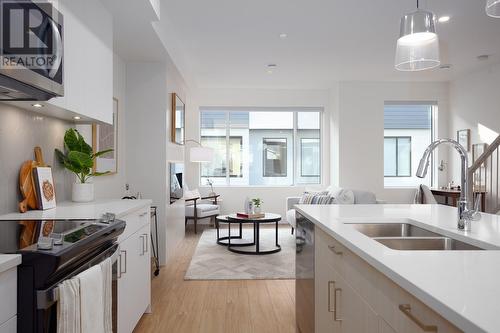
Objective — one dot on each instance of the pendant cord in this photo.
(417, 5)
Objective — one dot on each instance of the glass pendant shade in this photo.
(493, 8)
(417, 48)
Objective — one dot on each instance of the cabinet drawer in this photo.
(330, 251)
(10, 326)
(412, 314)
(8, 294)
(135, 221)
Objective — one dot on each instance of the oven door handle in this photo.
(47, 297)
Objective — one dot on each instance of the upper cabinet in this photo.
(88, 59)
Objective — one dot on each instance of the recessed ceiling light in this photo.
(283, 36)
(483, 57)
(37, 105)
(443, 19)
(77, 117)
(271, 68)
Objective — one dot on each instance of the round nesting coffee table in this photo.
(268, 218)
(224, 240)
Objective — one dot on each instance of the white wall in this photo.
(474, 100)
(148, 123)
(175, 153)
(274, 197)
(146, 135)
(360, 130)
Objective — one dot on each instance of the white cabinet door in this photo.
(88, 59)
(134, 284)
(355, 315)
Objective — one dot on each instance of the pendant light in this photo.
(418, 44)
(493, 8)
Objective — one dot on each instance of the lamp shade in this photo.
(493, 8)
(417, 48)
(201, 154)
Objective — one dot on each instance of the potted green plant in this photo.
(257, 202)
(78, 157)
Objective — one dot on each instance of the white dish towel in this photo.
(92, 300)
(107, 277)
(68, 307)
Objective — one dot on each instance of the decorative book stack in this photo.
(251, 215)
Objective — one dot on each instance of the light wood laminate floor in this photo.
(235, 306)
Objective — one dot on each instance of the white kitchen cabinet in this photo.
(134, 283)
(364, 299)
(88, 59)
(8, 295)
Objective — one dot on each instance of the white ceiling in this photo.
(228, 43)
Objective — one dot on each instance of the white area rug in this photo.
(212, 261)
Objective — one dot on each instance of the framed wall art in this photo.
(463, 137)
(178, 120)
(105, 136)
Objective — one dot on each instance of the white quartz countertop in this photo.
(74, 210)
(462, 286)
(7, 261)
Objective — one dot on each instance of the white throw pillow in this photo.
(344, 197)
(333, 190)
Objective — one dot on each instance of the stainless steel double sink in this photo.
(406, 236)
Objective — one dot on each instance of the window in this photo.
(274, 157)
(397, 158)
(408, 130)
(309, 157)
(263, 147)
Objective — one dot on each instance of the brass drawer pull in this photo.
(332, 248)
(330, 284)
(406, 309)
(335, 318)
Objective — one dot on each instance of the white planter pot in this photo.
(82, 192)
(257, 210)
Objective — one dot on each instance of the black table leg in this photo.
(277, 234)
(257, 241)
(229, 234)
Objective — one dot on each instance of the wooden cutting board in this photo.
(26, 182)
(27, 187)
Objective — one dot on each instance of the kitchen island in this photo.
(452, 290)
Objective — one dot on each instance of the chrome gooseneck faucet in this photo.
(465, 215)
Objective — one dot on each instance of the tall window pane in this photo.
(390, 157)
(404, 157)
(309, 150)
(309, 157)
(213, 135)
(270, 138)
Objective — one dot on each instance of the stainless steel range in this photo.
(53, 251)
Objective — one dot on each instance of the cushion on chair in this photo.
(203, 210)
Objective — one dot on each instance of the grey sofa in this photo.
(360, 198)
